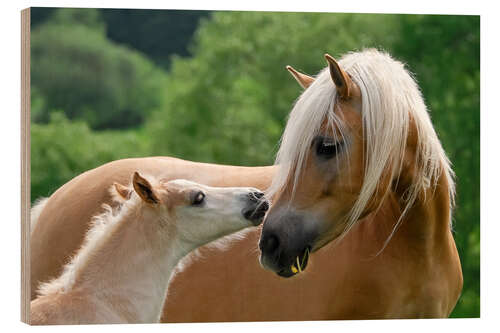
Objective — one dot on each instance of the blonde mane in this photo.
(390, 99)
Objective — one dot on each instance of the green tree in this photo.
(156, 33)
(61, 150)
(229, 103)
(89, 17)
(76, 69)
(168, 31)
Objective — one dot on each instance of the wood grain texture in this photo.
(25, 164)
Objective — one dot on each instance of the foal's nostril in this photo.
(270, 244)
(255, 196)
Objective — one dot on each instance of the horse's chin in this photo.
(298, 265)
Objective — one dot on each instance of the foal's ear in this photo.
(342, 81)
(303, 79)
(144, 189)
(122, 190)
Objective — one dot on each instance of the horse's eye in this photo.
(326, 147)
(198, 198)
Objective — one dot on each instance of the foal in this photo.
(120, 274)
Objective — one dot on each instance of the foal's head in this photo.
(198, 213)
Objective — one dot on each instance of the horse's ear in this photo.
(144, 189)
(122, 190)
(303, 79)
(342, 81)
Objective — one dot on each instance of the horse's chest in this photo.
(369, 291)
(397, 297)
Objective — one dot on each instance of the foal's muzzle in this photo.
(256, 207)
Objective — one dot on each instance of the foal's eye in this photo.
(327, 147)
(198, 198)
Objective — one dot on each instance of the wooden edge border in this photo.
(25, 165)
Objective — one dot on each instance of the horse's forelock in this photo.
(302, 127)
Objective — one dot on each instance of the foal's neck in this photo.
(130, 265)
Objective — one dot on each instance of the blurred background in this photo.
(212, 86)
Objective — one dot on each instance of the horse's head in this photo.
(344, 144)
(310, 210)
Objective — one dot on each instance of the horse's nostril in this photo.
(270, 244)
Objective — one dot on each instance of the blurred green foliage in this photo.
(89, 17)
(229, 102)
(168, 32)
(76, 69)
(63, 149)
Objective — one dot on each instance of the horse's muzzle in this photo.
(285, 243)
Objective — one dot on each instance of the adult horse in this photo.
(344, 162)
(359, 153)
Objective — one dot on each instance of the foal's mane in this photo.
(99, 227)
(390, 99)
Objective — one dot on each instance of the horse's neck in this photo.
(130, 267)
(425, 225)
